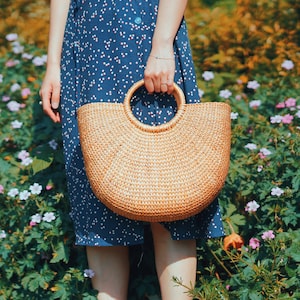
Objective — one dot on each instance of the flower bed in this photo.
(259, 259)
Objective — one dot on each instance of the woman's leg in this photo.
(173, 258)
(111, 267)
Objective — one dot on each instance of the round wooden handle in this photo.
(180, 100)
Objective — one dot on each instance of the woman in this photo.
(97, 50)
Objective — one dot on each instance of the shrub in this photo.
(257, 73)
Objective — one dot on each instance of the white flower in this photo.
(35, 189)
(255, 103)
(15, 87)
(17, 48)
(276, 191)
(225, 94)
(24, 195)
(16, 124)
(23, 154)
(208, 75)
(1, 78)
(27, 56)
(2, 234)
(26, 161)
(53, 144)
(297, 114)
(39, 60)
(253, 85)
(44, 58)
(234, 115)
(260, 168)
(11, 37)
(251, 146)
(13, 106)
(265, 151)
(49, 217)
(201, 93)
(252, 206)
(37, 218)
(13, 192)
(287, 64)
(276, 119)
(88, 273)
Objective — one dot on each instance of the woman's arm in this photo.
(160, 69)
(50, 89)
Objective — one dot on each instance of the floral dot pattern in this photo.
(105, 49)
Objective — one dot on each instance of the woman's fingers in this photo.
(50, 95)
(159, 75)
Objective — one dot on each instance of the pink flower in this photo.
(11, 63)
(280, 105)
(268, 235)
(25, 92)
(287, 119)
(254, 243)
(49, 187)
(290, 102)
(1, 189)
(261, 155)
(32, 223)
(5, 98)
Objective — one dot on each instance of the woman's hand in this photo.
(160, 68)
(50, 93)
(159, 72)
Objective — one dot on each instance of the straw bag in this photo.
(155, 173)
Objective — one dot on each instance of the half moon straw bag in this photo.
(156, 173)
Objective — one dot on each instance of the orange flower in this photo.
(233, 240)
(244, 78)
(31, 79)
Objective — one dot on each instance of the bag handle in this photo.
(180, 100)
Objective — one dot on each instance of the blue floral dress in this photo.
(105, 49)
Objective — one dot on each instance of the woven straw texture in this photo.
(163, 173)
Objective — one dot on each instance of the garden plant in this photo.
(246, 55)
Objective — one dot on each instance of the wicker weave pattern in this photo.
(156, 175)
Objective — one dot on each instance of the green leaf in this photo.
(61, 253)
(31, 281)
(40, 164)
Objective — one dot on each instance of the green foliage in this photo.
(38, 259)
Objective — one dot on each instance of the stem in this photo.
(221, 263)
(230, 225)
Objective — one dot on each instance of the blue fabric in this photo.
(105, 49)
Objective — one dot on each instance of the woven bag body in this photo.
(163, 173)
